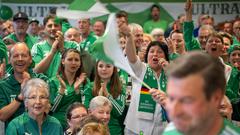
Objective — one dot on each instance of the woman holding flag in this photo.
(107, 83)
(144, 115)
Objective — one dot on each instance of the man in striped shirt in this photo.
(196, 86)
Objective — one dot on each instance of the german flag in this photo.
(144, 90)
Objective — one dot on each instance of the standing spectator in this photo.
(236, 31)
(3, 58)
(156, 21)
(47, 54)
(137, 32)
(204, 19)
(72, 34)
(6, 28)
(228, 27)
(33, 28)
(122, 18)
(20, 25)
(193, 108)
(11, 98)
(99, 28)
(88, 62)
(68, 86)
(210, 41)
(151, 120)
(86, 35)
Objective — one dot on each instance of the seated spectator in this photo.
(85, 120)
(100, 107)
(75, 113)
(94, 129)
(225, 108)
(35, 121)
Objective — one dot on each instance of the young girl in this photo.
(67, 86)
(108, 84)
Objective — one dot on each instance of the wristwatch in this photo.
(18, 99)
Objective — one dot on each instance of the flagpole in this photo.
(142, 82)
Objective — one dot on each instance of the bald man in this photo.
(11, 99)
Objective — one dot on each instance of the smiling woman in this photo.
(35, 120)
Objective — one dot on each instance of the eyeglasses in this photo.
(35, 98)
(78, 116)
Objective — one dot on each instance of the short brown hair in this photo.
(211, 69)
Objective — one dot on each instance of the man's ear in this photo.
(217, 97)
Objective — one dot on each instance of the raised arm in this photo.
(130, 47)
(190, 42)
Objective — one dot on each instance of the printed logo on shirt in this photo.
(12, 97)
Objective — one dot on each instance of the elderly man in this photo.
(73, 34)
(20, 25)
(47, 54)
(193, 107)
(11, 99)
(34, 27)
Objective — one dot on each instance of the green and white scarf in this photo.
(146, 107)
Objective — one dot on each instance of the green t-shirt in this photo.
(235, 41)
(10, 88)
(88, 41)
(3, 51)
(29, 40)
(25, 125)
(227, 129)
(41, 49)
(61, 103)
(150, 25)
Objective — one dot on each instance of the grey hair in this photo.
(73, 28)
(34, 85)
(99, 101)
(207, 27)
(134, 26)
(157, 31)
